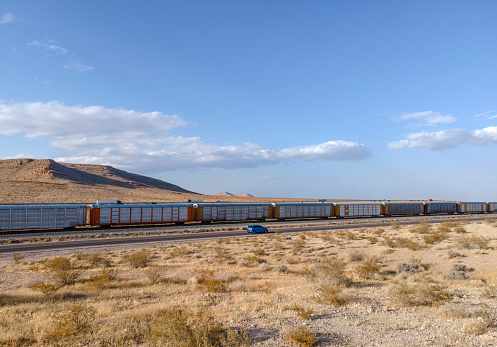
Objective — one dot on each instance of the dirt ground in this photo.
(417, 285)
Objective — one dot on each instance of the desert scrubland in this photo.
(393, 286)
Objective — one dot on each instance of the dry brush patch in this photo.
(254, 290)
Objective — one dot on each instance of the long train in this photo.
(110, 213)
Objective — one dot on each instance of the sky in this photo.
(275, 98)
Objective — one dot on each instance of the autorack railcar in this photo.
(357, 210)
(291, 210)
(129, 214)
(40, 216)
(222, 211)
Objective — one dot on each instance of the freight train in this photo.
(112, 213)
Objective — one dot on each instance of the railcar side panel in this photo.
(439, 207)
(140, 214)
(18, 217)
(471, 207)
(492, 207)
(231, 212)
(402, 208)
(358, 210)
(304, 210)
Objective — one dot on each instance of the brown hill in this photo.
(29, 180)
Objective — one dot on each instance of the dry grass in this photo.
(420, 291)
(302, 337)
(473, 242)
(205, 294)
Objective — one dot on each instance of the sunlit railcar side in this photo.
(303, 210)
(129, 214)
(343, 210)
(471, 207)
(218, 212)
(38, 216)
(439, 208)
(491, 207)
(402, 208)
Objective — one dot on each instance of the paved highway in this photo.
(201, 236)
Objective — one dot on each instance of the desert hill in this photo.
(49, 171)
(29, 181)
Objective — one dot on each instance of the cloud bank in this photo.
(447, 139)
(129, 138)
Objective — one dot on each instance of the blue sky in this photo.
(311, 99)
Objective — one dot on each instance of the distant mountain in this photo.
(230, 194)
(246, 196)
(225, 194)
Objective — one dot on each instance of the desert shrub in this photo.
(410, 268)
(458, 272)
(422, 291)
(302, 337)
(20, 341)
(179, 251)
(389, 242)
(489, 292)
(176, 327)
(356, 255)
(421, 228)
(154, 274)
(97, 259)
(259, 252)
(326, 236)
(331, 271)
(74, 320)
(303, 312)
(395, 226)
(453, 254)
(331, 295)
(280, 268)
(138, 259)
(208, 281)
(436, 236)
(473, 242)
(102, 279)
(477, 327)
(379, 231)
(372, 239)
(17, 258)
(291, 259)
(399, 242)
(63, 270)
(490, 220)
(46, 288)
(368, 269)
(407, 243)
(458, 310)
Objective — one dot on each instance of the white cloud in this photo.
(78, 66)
(487, 115)
(128, 138)
(48, 46)
(7, 18)
(447, 139)
(428, 118)
(71, 63)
